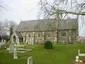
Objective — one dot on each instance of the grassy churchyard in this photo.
(60, 54)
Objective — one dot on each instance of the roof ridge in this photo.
(30, 26)
(37, 20)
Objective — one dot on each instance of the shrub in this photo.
(48, 45)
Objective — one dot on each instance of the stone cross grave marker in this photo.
(29, 60)
(11, 48)
(15, 54)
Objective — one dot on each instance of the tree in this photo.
(11, 25)
(51, 9)
(6, 28)
(11, 31)
(60, 9)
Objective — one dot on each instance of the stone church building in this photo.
(39, 31)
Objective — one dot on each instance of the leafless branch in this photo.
(49, 9)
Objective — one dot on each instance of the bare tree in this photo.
(49, 9)
(7, 27)
(9, 24)
(60, 9)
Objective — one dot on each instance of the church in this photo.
(39, 31)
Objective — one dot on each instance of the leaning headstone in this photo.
(11, 48)
(29, 60)
(15, 54)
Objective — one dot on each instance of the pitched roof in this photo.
(47, 24)
(68, 24)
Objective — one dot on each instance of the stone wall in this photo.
(67, 36)
(40, 37)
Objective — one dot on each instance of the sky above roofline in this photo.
(20, 10)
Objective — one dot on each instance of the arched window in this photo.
(48, 35)
(63, 33)
(14, 37)
(29, 35)
(38, 35)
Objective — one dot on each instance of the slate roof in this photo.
(68, 24)
(47, 25)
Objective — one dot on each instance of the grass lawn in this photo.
(61, 54)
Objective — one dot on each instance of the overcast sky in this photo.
(19, 10)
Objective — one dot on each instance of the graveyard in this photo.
(60, 54)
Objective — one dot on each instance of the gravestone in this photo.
(15, 54)
(4, 41)
(29, 60)
(11, 48)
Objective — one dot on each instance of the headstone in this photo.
(2, 40)
(29, 60)
(5, 41)
(11, 48)
(15, 54)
